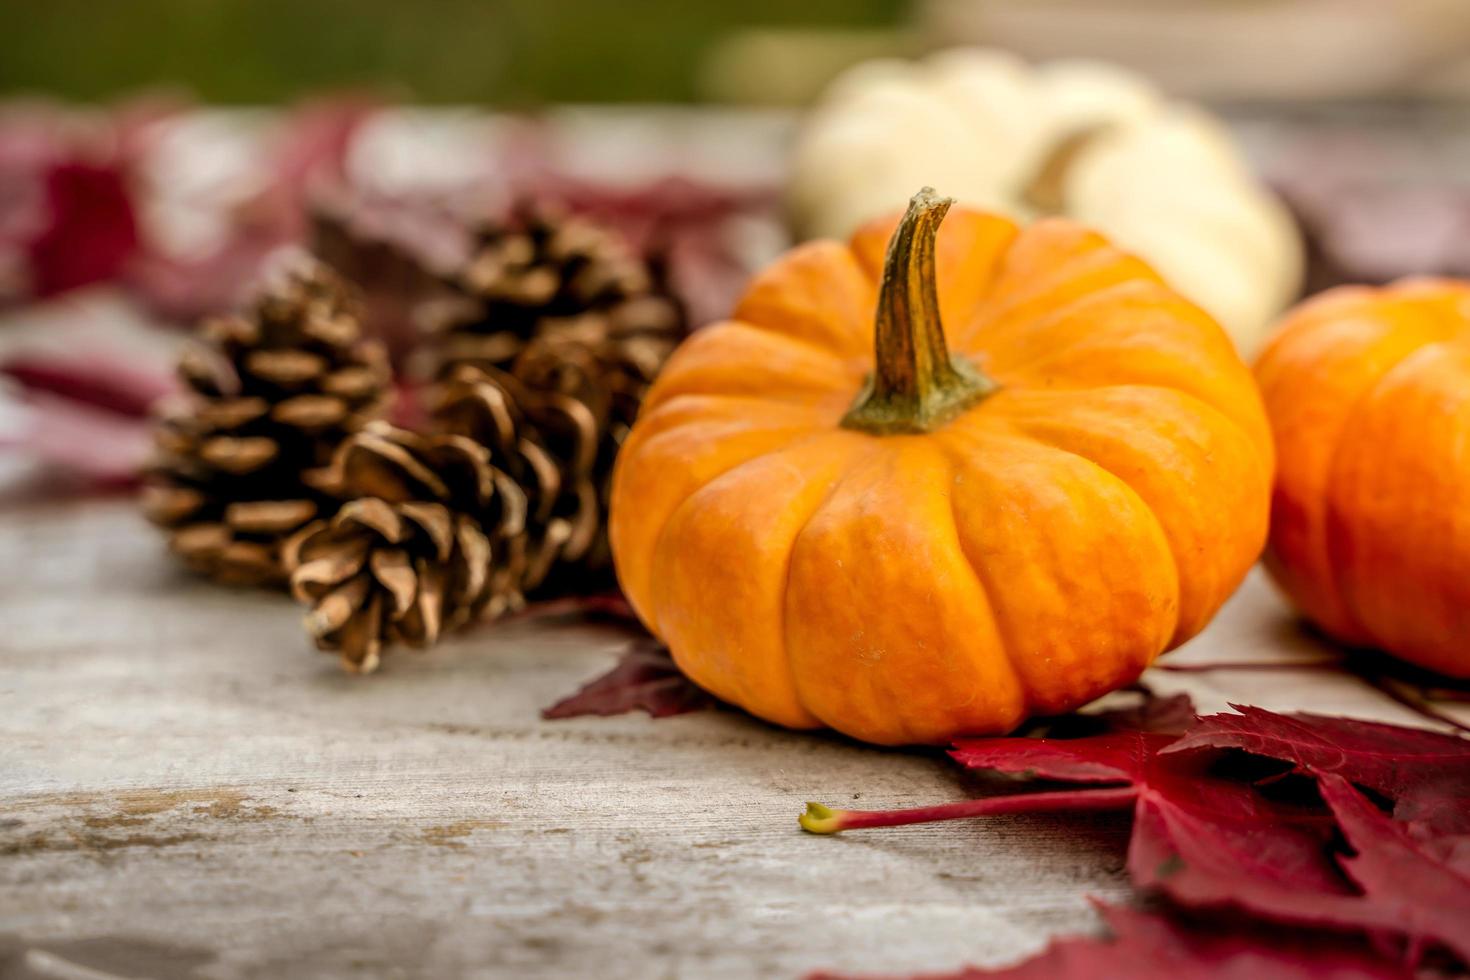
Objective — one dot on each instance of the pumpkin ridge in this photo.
(887, 700)
(759, 310)
(725, 429)
(793, 417)
(795, 339)
(1280, 364)
(658, 540)
(1030, 289)
(1249, 416)
(962, 332)
(975, 343)
(777, 435)
(1100, 483)
(1004, 631)
(854, 466)
(1104, 294)
(1256, 434)
(1262, 443)
(707, 362)
(994, 332)
(1026, 434)
(1331, 541)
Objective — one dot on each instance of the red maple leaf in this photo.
(92, 231)
(1425, 774)
(1209, 835)
(1154, 947)
(645, 679)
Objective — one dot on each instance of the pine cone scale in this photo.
(310, 411)
(435, 523)
(269, 516)
(330, 559)
(394, 571)
(237, 455)
(285, 368)
(335, 608)
(372, 514)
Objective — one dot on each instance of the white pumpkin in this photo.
(1094, 142)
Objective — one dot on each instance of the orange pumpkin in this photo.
(1368, 391)
(906, 544)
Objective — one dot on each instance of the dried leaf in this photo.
(645, 679)
(109, 384)
(1211, 830)
(1426, 774)
(91, 231)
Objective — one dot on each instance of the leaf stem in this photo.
(820, 819)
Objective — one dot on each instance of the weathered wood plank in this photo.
(186, 790)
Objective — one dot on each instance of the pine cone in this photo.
(532, 274)
(273, 392)
(432, 537)
(609, 380)
(561, 306)
(546, 442)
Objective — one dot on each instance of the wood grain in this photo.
(186, 790)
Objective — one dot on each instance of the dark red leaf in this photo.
(1395, 884)
(1185, 801)
(103, 383)
(103, 448)
(611, 606)
(1426, 774)
(86, 414)
(399, 252)
(645, 679)
(1211, 836)
(1405, 881)
(1172, 715)
(1215, 842)
(1154, 947)
(91, 232)
(1109, 758)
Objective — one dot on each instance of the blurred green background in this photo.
(505, 52)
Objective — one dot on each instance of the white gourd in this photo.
(1163, 179)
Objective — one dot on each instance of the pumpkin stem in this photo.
(1046, 193)
(917, 384)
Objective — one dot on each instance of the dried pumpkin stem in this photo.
(1046, 192)
(917, 384)
(819, 819)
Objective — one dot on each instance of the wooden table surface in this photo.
(186, 790)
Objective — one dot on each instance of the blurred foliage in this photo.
(507, 52)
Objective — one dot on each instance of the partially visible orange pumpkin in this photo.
(1368, 391)
(928, 544)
